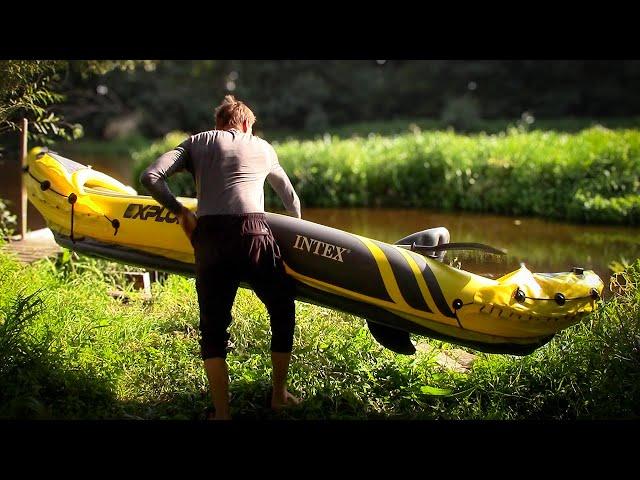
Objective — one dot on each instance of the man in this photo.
(231, 239)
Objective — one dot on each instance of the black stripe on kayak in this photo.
(356, 270)
(385, 317)
(405, 278)
(434, 286)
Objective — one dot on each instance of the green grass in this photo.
(399, 126)
(118, 146)
(571, 169)
(592, 176)
(69, 350)
(404, 126)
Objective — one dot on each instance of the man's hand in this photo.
(187, 220)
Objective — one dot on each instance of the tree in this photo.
(31, 88)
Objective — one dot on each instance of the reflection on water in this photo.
(544, 246)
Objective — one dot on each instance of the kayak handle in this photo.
(452, 246)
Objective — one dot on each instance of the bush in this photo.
(70, 350)
(8, 220)
(181, 184)
(590, 176)
(590, 370)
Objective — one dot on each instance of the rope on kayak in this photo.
(115, 223)
(559, 298)
(520, 297)
(72, 198)
(45, 184)
(457, 305)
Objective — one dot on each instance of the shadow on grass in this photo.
(42, 389)
(46, 389)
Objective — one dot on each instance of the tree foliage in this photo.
(313, 95)
(25, 92)
(32, 88)
(306, 95)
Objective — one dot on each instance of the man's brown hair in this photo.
(231, 113)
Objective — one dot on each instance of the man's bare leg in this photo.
(280, 397)
(218, 375)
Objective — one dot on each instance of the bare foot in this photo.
(279, 402)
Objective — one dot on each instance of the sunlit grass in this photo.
(69, 350)
(589, 176)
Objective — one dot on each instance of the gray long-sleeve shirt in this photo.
(229, 168)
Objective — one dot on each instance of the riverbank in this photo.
(70, 350)
(592, 176)
(559, 170)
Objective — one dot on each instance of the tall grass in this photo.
(591, 176)
(70, 350)
(400, 126)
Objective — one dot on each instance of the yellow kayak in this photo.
(397, 290)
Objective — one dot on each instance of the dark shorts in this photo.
(230, 249)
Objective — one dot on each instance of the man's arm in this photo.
(154, 178)
(280, 182)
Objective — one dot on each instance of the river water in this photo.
(542, 245)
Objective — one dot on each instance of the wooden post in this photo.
(23, 185)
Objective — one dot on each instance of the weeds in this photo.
(69, 350)
(591, 176)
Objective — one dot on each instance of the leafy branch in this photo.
(30, 89)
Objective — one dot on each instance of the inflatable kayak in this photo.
(397, 290)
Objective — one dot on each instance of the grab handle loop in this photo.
(72, 198)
